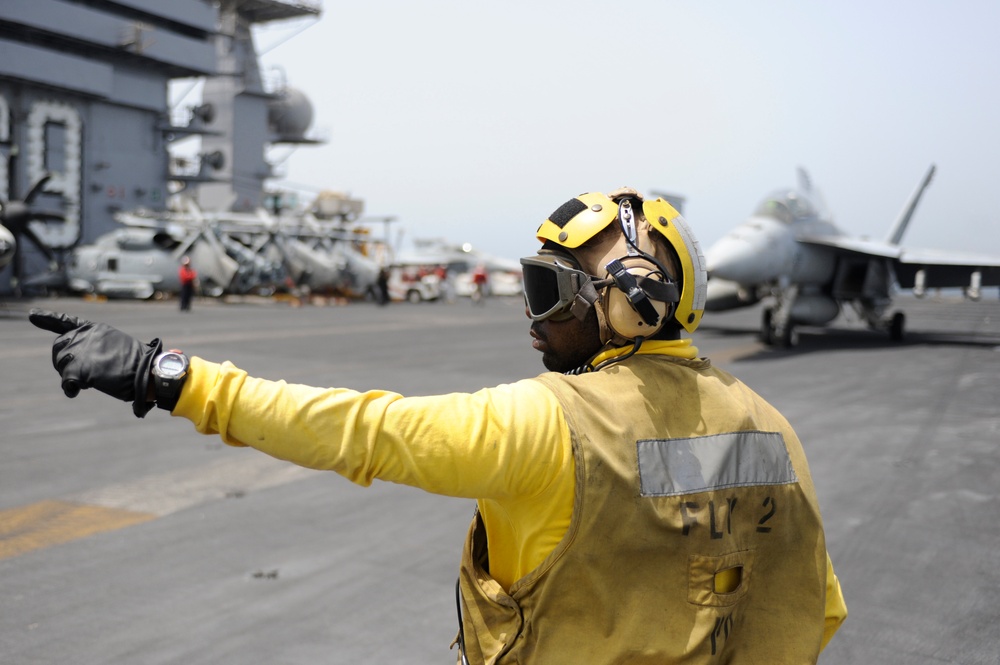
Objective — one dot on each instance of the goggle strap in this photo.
(601, 283)
(585, 298)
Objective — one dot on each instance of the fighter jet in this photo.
(791, 255)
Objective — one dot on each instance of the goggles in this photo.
(550, 286)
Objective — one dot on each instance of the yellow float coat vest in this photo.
(695, 537)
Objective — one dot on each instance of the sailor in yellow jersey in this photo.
(635, 503)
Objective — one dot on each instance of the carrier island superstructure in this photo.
(86, 126)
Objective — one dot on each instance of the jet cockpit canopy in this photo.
(788, 206)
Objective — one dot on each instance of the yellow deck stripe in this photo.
(57, 521)
(48, 523)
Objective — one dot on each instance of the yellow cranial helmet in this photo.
(646, 267)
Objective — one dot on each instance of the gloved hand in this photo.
(95, 355)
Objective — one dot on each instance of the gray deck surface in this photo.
(254, 561)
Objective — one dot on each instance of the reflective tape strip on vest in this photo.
(669, 467)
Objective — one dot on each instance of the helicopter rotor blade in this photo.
(37, 188)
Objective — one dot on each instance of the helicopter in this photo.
(234, 253)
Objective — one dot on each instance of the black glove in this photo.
(95, 355)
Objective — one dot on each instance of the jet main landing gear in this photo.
(896, 325)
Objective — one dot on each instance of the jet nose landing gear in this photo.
(775, 332)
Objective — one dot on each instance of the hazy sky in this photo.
(472, 121)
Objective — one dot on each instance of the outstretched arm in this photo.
(500, 443)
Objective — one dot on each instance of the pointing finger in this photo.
(54, 322)
(71, 388)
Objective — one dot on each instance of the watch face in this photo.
(171, 364)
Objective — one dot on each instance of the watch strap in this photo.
(167, 390)
(140, 407)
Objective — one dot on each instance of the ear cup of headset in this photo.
(621, 317)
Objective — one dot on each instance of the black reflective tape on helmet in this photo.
(567, 211)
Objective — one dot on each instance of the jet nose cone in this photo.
(751, 254)
(735, 259)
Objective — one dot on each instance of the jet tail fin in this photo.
(899, 228)
(807, 188)
(805, 182)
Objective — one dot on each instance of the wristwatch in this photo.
(170, 370)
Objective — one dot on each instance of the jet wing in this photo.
(946, 269)
(941, 269)
(856, 246)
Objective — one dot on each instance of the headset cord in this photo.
(584, 369)
(461, 624)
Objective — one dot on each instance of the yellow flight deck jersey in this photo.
(510, 447)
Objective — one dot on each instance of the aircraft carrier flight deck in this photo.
(141, 541)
